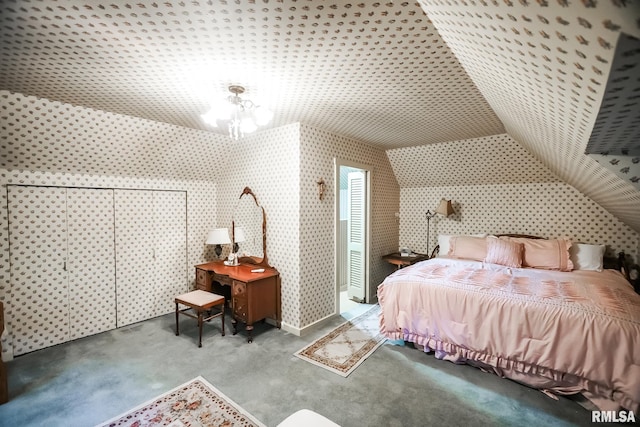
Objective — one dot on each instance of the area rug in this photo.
(195, 403)
(346, 347)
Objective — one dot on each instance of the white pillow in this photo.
(586, 257)
(443, 242)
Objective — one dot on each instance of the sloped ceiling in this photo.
(543, 66)
(394, 74)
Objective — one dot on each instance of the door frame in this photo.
(338, 163)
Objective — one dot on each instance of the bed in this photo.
(563, 328)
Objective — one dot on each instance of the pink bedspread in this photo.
(569, 332)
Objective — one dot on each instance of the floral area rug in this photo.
(346, 347)
(196, 403)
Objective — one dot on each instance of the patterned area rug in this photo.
(196, 403)
(346, 347)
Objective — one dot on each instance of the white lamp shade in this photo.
(239, 235)
(218, 236)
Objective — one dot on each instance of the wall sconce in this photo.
(444, 208)
(321, 188)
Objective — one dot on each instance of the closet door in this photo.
(171, 249)
(39, 301)
(135, 267)
(91, 261)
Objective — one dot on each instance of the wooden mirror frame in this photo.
(252, 259)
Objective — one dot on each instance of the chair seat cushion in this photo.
(200, 298)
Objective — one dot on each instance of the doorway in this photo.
(352, 235)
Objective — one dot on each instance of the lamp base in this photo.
(218, 250)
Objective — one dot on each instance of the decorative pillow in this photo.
(444, 243)
(504, 252)
(587, 257)
(468, 247)
(545, 254)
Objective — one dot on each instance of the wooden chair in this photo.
(200, 302)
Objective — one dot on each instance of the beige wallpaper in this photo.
(513, 193)
(543, 66)
(201, 215)
(282, 167)
(269, 163)
(500, 187)
(317, 218)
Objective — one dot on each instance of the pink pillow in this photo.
(468, 247)
(504, 252)
(545, 254)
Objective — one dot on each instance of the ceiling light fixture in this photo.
(242, 115)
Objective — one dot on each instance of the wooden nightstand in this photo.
(402, 261)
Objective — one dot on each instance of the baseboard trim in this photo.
(301, 332)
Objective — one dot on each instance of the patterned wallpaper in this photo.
(509, 201)
(615, 139)
(201, 216)
(317, 218)
(282, 167)
(268, 162)
(490, 160)
(44, 135)
(543, 66)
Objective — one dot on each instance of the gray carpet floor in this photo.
(93, 379)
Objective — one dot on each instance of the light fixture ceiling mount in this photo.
(243, 116)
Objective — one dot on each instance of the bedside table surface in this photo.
(399, 260)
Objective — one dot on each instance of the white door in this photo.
(91, 264)
(356, 235)
(39, 301)
(171, 249)
(135, 266)
(151, 255)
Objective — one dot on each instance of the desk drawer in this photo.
(239, 289)
(222, 279)
(202, 280)
(240, 309)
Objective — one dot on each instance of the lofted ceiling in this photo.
(393, 73)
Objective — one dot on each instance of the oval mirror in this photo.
(249, 229)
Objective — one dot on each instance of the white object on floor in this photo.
(307, 418)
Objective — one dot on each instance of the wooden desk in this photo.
(402, 261)
(253, 296)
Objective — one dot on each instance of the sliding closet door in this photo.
(134, 254)
(91, 261)
(171, 252)
(150, 252)
(39, 301)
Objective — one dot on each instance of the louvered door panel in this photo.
(356, 235)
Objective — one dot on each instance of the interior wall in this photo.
(268, 162)
(318, 149)
(543, 209)
(201, 216)
(496, 186)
